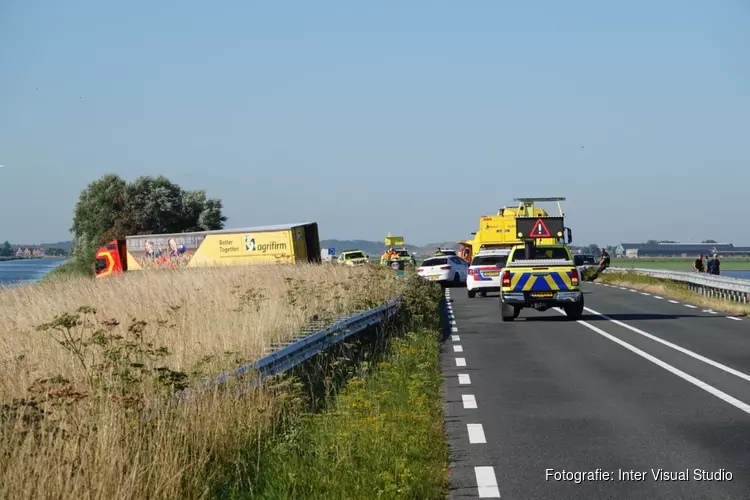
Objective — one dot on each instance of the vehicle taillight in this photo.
(419, 270)
(445, 268)
(506, 278)
(472, 272)
(574, 277)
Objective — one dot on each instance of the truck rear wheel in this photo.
(471, 293)
(574, 311)
(508, 312)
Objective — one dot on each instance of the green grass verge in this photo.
(70, 269)
(680, 264)
(383, 436)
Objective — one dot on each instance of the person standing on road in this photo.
(714, 265)
(698, 264)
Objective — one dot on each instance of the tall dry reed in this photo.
(86, 365)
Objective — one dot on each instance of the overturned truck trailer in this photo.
(281, 244)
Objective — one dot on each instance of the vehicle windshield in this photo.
(354, 255)
(403, 253)
(434, 262)
(555, 253)
(489, 260)
(100, 265)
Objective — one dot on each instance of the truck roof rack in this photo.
(538, 199)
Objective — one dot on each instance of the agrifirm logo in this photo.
(252, 246)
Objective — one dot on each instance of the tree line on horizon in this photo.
(8, 250)
(110, 208)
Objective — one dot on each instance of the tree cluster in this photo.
(55, 252)
(6, 250)
(110, 208)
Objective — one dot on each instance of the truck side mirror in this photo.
(570, 235)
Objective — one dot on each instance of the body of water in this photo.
(32, 270)
(13, 272)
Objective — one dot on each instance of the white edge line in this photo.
(691, 306)
(464, 379)
(659, 298)
(708, 388)
(460, 361)
(476, 433)
(690, 353)
(486, 482)
(716, 392)
(674, 301)
(734, 318)
(469, 401)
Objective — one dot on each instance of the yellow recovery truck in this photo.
(537, 274)
(499, 230)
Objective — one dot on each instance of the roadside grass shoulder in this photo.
(382, 436)
(676, 291)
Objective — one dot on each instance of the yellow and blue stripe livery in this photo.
(541, 281)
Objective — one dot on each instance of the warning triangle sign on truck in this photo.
(540, 230)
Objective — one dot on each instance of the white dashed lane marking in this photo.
(476, 434)
(458, 348)
(455, 338)
(470, 402)
(460, 361)
(464, 379)
(710, 311)
(486, 482)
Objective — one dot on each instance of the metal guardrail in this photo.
(734, 289)
(302, 348)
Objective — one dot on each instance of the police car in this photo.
(485, 270)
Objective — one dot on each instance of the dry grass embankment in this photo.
(673, 290)
(83, 362)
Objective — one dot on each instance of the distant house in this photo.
(644, 250)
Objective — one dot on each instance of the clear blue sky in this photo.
(369, 117)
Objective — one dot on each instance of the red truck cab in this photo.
(111, 259)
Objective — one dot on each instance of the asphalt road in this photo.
(653, 385)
